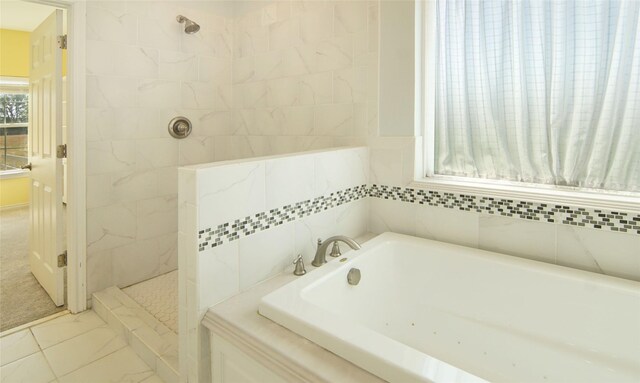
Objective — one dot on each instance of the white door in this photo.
(45, 134)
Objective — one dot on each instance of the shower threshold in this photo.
(146, 316)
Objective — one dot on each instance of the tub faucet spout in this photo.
(321, 253)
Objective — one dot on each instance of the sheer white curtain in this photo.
(539, 91)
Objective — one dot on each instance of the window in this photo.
(544, 92)
(14, 112)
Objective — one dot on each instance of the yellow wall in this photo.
(14, 62)
(14, 53)
(14, 191)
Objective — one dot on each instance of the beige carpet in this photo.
(22, 299)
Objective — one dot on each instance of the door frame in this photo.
(76, 215)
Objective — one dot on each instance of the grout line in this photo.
(104, 325)
(49, 365)
(33, 323)
(88, 364)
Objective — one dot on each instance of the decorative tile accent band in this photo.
(551, 213)
(243, 227)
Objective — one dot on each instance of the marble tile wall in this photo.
(142, 70)
(305, 76)
(207, 195)
(286, 76)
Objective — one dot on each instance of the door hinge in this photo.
(62, 41)
(61, 151)
(62, 259)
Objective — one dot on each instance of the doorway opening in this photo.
(33, 124)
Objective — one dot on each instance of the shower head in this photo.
(190, 27)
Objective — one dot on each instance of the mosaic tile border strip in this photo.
(543, 212)
(243, 227)
(534, 211)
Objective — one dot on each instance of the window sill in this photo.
(8, 174)
(566, 196)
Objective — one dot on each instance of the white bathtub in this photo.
(430, 311)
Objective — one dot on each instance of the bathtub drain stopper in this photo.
(353, 277)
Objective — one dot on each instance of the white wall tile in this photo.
(341, 169)
(284, 34)
(229, 147)
(135, 61)
(161, 33)
(113, 92)
(157, 216)
(196, 150)
(283, 92)
(265, 254)
(110, 226)
(159, 93)
(352, 219)
(135, 185)
(216, 70)
(214, 123)
(167, 180)
(297, 61)
(334, 120)
(156, 153)
(513, 236)
(218, 276)
(316, 89)
(349, 85)
(145, 259)
(109, 25)
(447, 225)
(600, 251)
(350, 17)
(289, 180)
(105, 124)
(316, 26)
(395, 216)
(230, 192)
(174, 65)
(271, 65)
(99, 191)
(334, 54)
(99, 58)
(99, 271)
(251, 40)
(110, 156)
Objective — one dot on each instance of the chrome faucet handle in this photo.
(335, 250)
(299, 269)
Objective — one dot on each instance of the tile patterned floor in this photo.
(159, 296)
(71, 348)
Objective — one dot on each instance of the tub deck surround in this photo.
(287, 353)
(448, 313)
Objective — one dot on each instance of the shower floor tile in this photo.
(158, 296)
